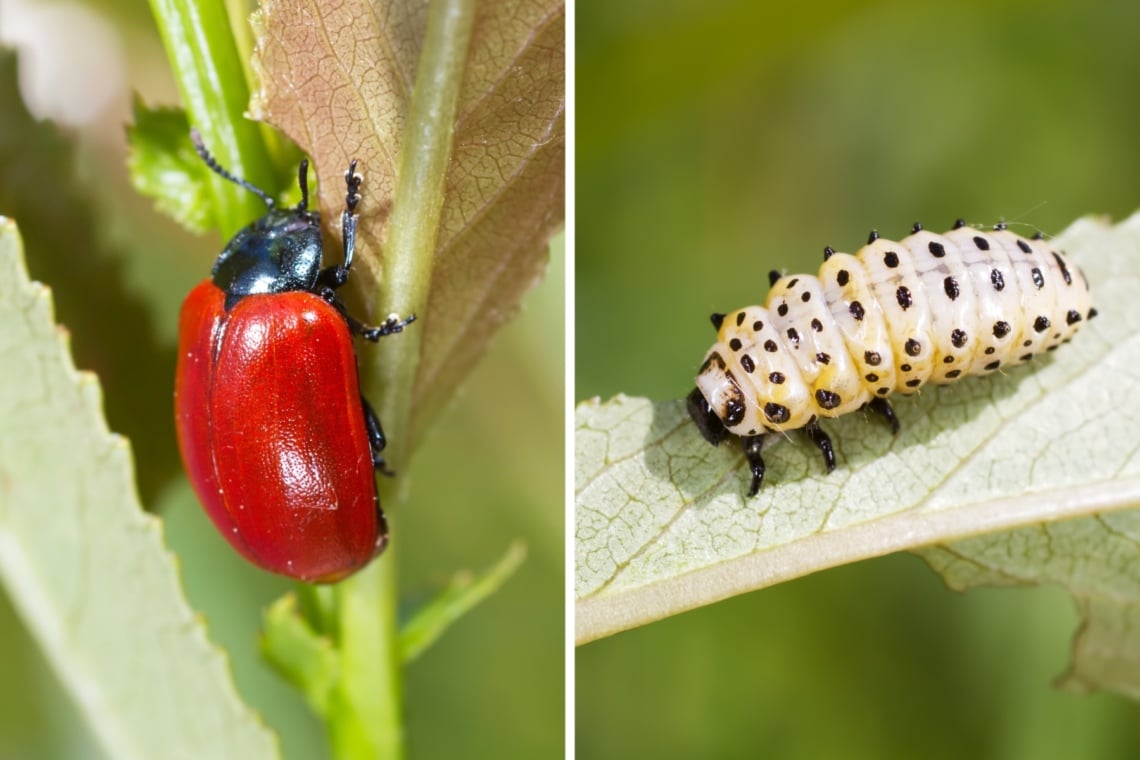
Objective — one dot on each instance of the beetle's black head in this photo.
(706, 419)
(277, 253)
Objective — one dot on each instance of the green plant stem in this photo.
(414, 224)
(212, 81)
(365, 721)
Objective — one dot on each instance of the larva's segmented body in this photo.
(893, 317)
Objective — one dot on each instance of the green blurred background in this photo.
(488, 473)
(717, 140)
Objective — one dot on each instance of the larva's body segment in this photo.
(893, 317)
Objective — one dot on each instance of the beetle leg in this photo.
(376, 439)
(348, 217)
(332, 277)
(393, 324)
(752, 446)
(820, 439)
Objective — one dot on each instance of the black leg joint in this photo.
(376, 439)
(883, 408)
(752, 447)
(821, 439)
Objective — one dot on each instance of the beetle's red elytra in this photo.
(277, 440)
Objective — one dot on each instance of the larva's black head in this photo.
(279, 252)
(705, 418)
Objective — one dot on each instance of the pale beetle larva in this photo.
(893, 317)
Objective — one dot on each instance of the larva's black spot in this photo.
(735, 344)
(1053, 347)
(1024, 246)
(734, 411)
(716, 320)
(776, 413)
(1027, 343)
(792, 282)
(905, 367)
(1038, 278)
(856, 310)
(992, 366)
(882, 391)
(997, 280)
(959, 223)
(1072, 317)
(950, 285)
(823, 358)
(902, 295)
(948, 359)
(757, 326)
(747, 363)
(873, 358)
(773, 277)
(913, 383)
(990, 350)
(740, 318)
(1041, 324)
(827, 399)
(782, 309)
(842, 277)
(776, 378)
(872, 377)
(1001, 329)
(982, 243)
(936, 249)
(793, 335)
(817, 325)
(891, 259)
(958, 338)
(1092, 313)
(1026, 357)
(913, 347)
(770, 346)
(805, 296)
(1064, 269)
(953, 373)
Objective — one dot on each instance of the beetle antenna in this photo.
(303, 180)
(196, 138)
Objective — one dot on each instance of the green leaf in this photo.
(463, 593)
(86, 567)
(303, 657)
(663, 523)
(164, 166)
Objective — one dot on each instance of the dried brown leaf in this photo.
(338, 78)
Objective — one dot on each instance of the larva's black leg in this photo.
(773, 277)
(883, 408)
(376, 439)
(820, 439)
(752, 446)
(716, 318)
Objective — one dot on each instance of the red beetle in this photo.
(276, 438)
